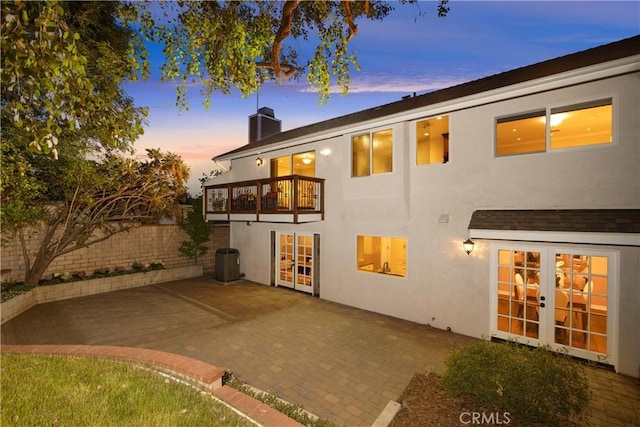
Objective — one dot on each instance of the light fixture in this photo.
(259, 161)
(306, 161)
(468, 246)
(556, 119)
(325, 151)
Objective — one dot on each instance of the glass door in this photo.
(295, 263)
(518, 293)
(285, 260)
(582, 283)
(304, 263)
(560, 298)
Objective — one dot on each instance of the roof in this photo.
(605, 53)
(562, 220)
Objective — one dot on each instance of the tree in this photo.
(63, 69)
(94, 200)
(61, 91)
(227, 44)
(63, 64)
(198, 231)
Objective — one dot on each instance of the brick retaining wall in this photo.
(42, 294)
(142, 244)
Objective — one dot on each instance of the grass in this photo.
(54, 390)
(292, 411)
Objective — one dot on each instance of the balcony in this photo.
(292, 199)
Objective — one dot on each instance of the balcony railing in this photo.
(292, 198)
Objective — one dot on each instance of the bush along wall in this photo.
(11, 289)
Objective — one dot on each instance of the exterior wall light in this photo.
(325, 152)
(468, 246)
(259, 161)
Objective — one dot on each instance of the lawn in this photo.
(52, 390)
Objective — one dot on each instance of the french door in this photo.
(295, 261)
(557, 297)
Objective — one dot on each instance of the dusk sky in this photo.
(403, 54)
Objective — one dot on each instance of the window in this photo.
(372, 153)
(571, 126)
(385, 255)
(521, 134)
(281, 166)
(432, 141)
(580, 125)
(303, 164)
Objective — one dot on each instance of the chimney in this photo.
(263, 124)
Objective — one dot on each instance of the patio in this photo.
(337, 362)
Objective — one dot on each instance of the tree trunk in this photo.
(42, 260)
(39, 266)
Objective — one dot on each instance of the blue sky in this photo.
(403, 54)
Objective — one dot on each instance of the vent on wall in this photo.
(263, 124)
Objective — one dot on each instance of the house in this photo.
(537, 169)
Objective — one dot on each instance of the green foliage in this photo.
(87, 201)
(13, 289)
(198, 231)
(533, 385)
(292, 411)
(223, 45)
(62, 68)
(39, 390)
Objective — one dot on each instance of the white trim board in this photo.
(615, 239)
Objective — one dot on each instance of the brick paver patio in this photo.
(337, 362)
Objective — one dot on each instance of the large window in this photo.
(372, 153)
(385, 255)
(571, 126)
(303, 164)
(432, 141)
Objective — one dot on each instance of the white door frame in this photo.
(547, 291)
(299, 268)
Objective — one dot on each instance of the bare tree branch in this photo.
(284, 31)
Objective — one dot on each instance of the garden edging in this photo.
(43, 294)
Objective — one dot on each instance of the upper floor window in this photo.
(303, 164)
(432, 141)
(372, 153)
(578, 125)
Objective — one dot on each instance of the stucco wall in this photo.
(142, 244)
(444, 286)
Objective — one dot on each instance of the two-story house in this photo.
(536, 169)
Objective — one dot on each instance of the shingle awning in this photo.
(591, 226)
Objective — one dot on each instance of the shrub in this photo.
(156, 265)
(534, 385)
(12, 289)
(100, 272)
(137, 266)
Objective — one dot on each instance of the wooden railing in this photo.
(292, 195)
